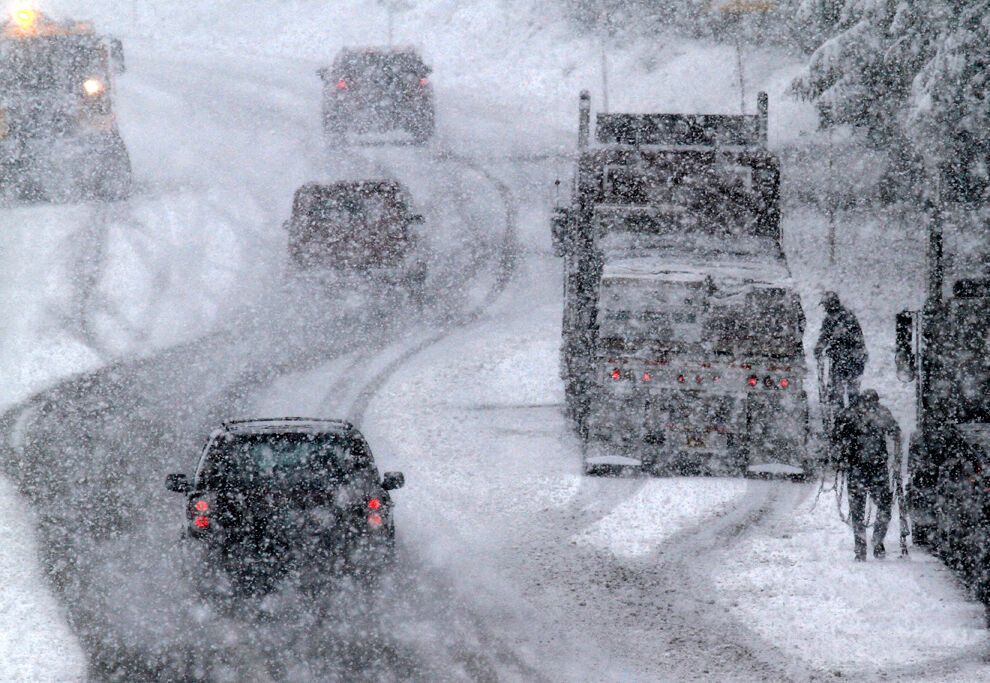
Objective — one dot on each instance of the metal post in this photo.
(763, 115)
(742, 77)
(935, 266)
(602, 35)
(604, 79)
(830, 203)
(584, 119)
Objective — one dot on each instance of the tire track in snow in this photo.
(716, 632)
(94, 401)
(506, 258)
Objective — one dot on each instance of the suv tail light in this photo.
(342, 84)
(200, 511)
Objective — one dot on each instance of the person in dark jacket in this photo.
(841, 342)
(860, 437)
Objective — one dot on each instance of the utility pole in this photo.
(742, 76)
(736, 9)
(830, 200)
(393, 7)
(602, 38)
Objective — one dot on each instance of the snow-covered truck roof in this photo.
(733, 273)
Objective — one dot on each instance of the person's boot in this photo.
(878, 551)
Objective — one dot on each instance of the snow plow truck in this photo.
(58, 133)
(682, 346)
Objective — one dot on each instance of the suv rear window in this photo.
(347, 207)
(368, 65)
(293, 459)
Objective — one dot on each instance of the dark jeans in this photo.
(877, 488)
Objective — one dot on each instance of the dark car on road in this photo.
(365, 227)
(377, 90)
(274, 496)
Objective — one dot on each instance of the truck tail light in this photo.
(647, 377)
(342, 84)
(374, 520)
(784, 383)
(752, 380)
(616, 374)
(424, 81)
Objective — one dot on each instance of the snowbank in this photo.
(36, 644)
(799, 588)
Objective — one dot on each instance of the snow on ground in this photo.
(36, 643)
(798, 587)
(639, 526)
(494, 482)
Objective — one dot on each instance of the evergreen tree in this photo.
(913, 75)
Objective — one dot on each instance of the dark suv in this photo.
(373, 90)
(364, 226)
(289, 494)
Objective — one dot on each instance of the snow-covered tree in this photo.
(913, 75)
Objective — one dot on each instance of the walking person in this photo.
(841, 343)
(860, 437)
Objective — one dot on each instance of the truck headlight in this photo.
(94, 87)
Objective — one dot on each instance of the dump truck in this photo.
(682, 335)
(58, 133)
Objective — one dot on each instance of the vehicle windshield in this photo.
(285, 459)
(38, 65)
(972, 352)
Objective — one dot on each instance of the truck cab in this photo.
(58, 131)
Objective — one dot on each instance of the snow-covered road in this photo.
(175, 308)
